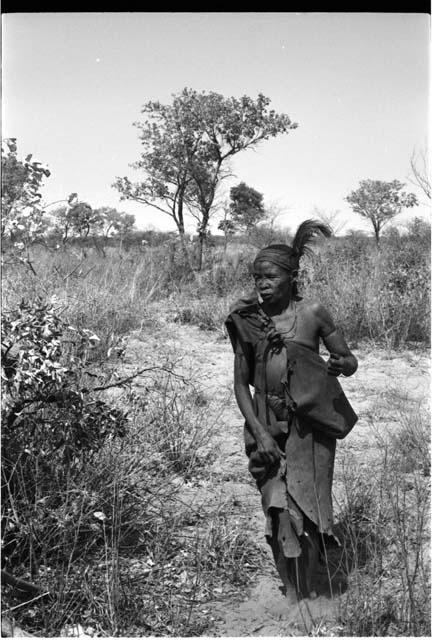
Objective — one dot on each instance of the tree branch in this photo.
(123, 381)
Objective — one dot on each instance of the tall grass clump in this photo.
(109, 296)
(381, 294)
(384, 521)
(180, 424)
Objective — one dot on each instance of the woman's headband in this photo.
(281, 255)
(288, 258)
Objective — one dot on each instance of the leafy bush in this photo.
(53, 423)
(93, 518)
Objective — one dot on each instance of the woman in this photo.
(298, 408)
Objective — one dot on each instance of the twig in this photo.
(27, 261)
(120, 383)
(152, 290)
(74, 269)
(59, 396)
(17, 606)
(91, 269)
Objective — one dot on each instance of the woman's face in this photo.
(273, 283)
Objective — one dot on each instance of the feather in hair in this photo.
(304, 235)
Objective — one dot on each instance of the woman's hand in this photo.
(341, 359)
(335, 364)
(269, 449)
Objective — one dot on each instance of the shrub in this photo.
(52, 422)
(180, 424)
(207, 313)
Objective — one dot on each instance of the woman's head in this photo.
(279, 263)
(274, 283)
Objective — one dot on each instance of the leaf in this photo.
(99, 515)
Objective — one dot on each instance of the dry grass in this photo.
(384, 519)
(115, 545)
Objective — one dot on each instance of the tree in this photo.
(380, 201)
(246, 207)
(227, 126)
(116, 223)
(77, 219)
(187, 147)
(163, 162)
(419, 230)
(227, 226)
(84, 220)
(23, 220)
(420, 174)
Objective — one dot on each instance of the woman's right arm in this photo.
(265, 443)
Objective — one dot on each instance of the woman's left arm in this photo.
(341, 360)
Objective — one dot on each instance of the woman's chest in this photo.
(299, 326)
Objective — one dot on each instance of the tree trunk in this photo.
(184, 248)
(201, 239)
(377, 233)
(202, 233)
(180, 225)
(225, 242)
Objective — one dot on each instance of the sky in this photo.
(357, 85)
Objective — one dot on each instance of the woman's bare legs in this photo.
(298, 572)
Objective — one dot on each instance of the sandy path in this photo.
(382, 382)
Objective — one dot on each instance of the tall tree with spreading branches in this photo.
(379, 202)
(187, 146)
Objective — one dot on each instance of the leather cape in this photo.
(304, 409)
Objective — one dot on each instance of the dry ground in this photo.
(384, 381)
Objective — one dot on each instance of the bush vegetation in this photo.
(91, 480)
(92, 512)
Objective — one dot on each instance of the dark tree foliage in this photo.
(246, 207)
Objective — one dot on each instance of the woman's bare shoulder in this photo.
(311, 306)
(315, 310)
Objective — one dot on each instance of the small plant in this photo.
(207, 313)
(227, 549)
(180, 425)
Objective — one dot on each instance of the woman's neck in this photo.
(276, 308)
